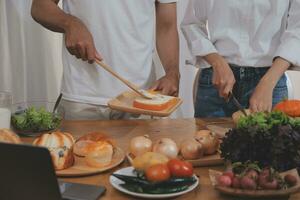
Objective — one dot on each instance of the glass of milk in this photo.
(5, 109)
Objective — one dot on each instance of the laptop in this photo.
(26, 172)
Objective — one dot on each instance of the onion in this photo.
(209, 141)
(190, 149)
(140, 145)
(167, 147)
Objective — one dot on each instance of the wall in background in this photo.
(30, 64)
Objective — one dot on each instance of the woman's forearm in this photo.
(278, 68)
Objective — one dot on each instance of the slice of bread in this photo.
(158, 103)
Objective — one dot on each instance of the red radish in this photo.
(229, 173)
(248, 183)
(290, 180)
(224, 181)
(267, 183)
(265, 172)
(236, 182)
(252, 174)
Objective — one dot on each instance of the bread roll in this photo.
(8, 136)
(95, 136)
(55, 140)
(60, 145)
(91, 142)
(101, 157)
(62, 158)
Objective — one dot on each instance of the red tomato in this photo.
(179, 168)
(159, 172)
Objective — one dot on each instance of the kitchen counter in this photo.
(122, 131)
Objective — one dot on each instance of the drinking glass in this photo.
(5, 109)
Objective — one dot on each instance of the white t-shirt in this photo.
(123, 32)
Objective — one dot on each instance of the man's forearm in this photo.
(49, 15)
(168, 49)
(167, 40)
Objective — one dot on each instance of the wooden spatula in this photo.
(143, 93)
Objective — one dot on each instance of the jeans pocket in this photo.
(205, 78)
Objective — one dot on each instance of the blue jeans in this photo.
(210, 104)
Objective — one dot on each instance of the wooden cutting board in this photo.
(208, 160)
(124, 103)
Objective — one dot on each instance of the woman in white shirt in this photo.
(244, 47)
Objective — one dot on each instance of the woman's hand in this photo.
(223, 77)
(261, 99)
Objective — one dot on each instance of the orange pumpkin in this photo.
(289, 107)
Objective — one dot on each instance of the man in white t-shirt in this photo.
(122, 33)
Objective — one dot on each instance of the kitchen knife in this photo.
(236, 103)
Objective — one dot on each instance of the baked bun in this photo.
(55, 140)
(60, 145)
(101, 157)
(8, 136)
(62, 157)
(91, 142)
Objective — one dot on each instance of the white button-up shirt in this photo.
(244, 32)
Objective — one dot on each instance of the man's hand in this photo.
(261, 99)
(168, 84)
(79, 41)
(223, 77)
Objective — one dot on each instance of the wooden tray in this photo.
(81, 169)
(266, 194)
(209, 160)
(124, 102)
(202, 162)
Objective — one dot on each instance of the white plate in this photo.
(129, 172)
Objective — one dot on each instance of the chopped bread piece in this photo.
(159, 102)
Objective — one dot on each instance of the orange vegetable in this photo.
(289, 107)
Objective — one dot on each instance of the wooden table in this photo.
(123, 131)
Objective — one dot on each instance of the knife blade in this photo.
(57, 103)
(237, 103)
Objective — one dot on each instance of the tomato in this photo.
(158, 172)
(179, 168)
